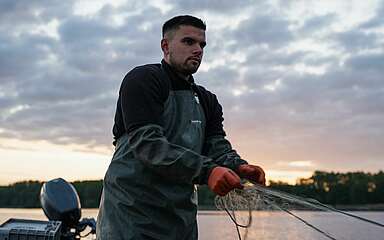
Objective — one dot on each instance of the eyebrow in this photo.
(202, 44)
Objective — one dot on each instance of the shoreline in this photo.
(363, 207)
(355, 207)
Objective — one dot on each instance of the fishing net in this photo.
(240, 204)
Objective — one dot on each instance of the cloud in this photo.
(373, 63)
(263, 29)
(294, 88)
(64, 89)
(357, 40)
(317, 23)
(215, 6)
(300, 163)
(377, 20)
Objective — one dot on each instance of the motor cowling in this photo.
(60, 202)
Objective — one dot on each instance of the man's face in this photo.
(183, 48)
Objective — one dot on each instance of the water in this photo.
(267, 225)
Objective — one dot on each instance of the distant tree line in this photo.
(351, 188)
(26, 194)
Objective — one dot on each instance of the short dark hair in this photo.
(175, 22)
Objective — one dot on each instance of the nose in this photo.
(197, 50)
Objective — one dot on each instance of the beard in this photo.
(187, 67)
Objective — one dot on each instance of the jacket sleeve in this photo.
(172, 161)
(216, 146)
(220, 150)
(143, 95)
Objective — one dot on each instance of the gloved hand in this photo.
(222, 180)
(252, 172)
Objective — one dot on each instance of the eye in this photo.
(188, 41)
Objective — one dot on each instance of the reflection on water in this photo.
(266, 225)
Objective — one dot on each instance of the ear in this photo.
(165, 46)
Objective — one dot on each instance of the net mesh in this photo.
(240, 203)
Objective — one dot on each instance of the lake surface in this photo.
(266, 225)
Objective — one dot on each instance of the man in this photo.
(168, 136)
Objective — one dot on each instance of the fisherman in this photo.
(169, 137)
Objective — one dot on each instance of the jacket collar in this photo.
(173, 74)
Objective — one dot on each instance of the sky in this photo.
(301, 82)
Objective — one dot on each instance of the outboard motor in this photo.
(60, 202)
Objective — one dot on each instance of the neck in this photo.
(180, 74)
(183, 76)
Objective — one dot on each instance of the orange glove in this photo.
(222, 180)
(252, 172)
